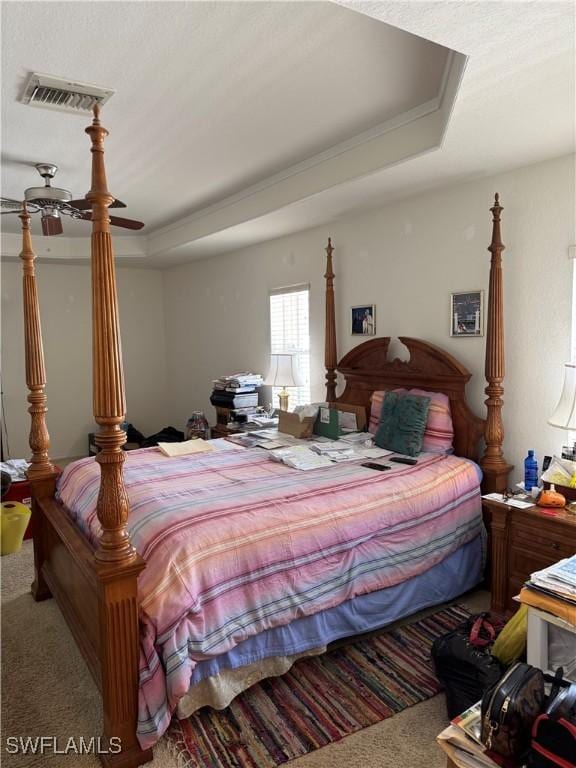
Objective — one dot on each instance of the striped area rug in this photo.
(320, 700)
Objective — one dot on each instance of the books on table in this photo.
(461, 740)
(470, 721)
(565, 570)
(462, 750)
(238, 381)
(234, 401)
(559, 579)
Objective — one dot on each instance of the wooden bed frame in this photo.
(96, 588)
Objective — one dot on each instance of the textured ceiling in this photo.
(270, 83)
(211, 96)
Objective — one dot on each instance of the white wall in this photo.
(184, 326)
(406, 258)
(65, 305)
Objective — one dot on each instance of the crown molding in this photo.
(412, 133)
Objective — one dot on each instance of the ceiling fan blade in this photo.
(86, 205)
(51, 225)
(7, 202)
(118, 221)
(5, 213)
(80, 205)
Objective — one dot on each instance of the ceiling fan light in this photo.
(51, 222)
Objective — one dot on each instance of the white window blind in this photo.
(573, 349)
(290, 333)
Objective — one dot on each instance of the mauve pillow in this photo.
(439, 432)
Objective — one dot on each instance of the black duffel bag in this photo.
(554, 731)
(464, 664)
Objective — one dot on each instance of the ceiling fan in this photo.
(51, 202)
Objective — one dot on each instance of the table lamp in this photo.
(284, 373)
(564, 415)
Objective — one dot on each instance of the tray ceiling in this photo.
(234, 122)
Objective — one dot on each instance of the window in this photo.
(573, 347)
(290, 332)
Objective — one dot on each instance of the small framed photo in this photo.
(364, 320)
(467, 313)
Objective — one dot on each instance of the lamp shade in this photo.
(564, 415)
(284, 371)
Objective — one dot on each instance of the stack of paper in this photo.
(559, 578)
(512, 502)
(238, 382)
(16, 468)
(300, 457)
(360, 438)
(461, 740)
(185, 448)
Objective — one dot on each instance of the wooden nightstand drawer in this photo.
(550, 541)
(523, 562)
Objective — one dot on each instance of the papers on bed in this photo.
(335, 451)
(373, 453)
(269, 439)
(306, 454)
(186, 448)
(324, 453)
(300, 457)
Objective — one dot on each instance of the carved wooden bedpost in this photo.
(330, 353)
(117, 564)
(41, 472)
(108, 375)
(496, 469)
(40, 464)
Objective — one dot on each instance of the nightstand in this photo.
(524, 541)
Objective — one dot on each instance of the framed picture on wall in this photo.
(467, 313)
(363, 320)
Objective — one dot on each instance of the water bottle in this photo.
(530, 472)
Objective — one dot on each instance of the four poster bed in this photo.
(175, 572)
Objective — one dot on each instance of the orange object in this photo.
(550, 498)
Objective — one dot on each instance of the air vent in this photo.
(66, 95)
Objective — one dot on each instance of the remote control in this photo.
(403, 459)
(372, 465)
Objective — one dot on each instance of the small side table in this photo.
(537, 640)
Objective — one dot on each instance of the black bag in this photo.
(463, 663)
(554, 731)
(510, 708)
(166, 435)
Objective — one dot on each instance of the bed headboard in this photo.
(366, 368)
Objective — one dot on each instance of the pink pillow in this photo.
(439, 432)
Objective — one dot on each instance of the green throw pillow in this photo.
(402, 423)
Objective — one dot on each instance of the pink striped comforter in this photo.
(236, 544)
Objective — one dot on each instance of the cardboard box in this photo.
(331, 428)
(290, 424)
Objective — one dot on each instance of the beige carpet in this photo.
(47, 691)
